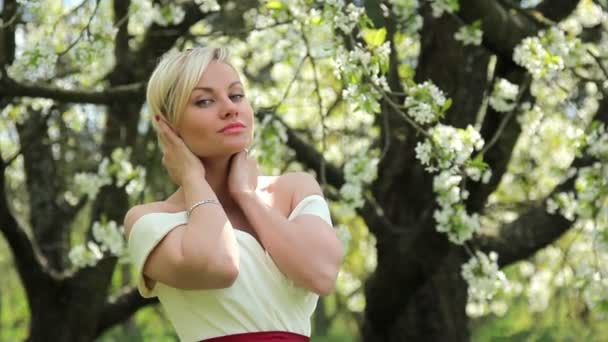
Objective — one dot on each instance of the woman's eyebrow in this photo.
(211, 90)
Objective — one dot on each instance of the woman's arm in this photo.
(200, 254)
(305, 248)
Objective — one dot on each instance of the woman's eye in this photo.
(203, 102)
(236, 97)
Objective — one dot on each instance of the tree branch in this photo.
(159, 39)
(115, 94)
(556, 10)
(120, 308)
(504, 28)
(7, 34)
(532, 231)
(505, 135)
(30, 268)
(536, 228)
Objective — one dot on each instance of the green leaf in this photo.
(373, 37)
(274, 5)
(446, 105)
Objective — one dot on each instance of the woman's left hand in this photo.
(243, 176)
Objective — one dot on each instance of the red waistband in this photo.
(262, 336)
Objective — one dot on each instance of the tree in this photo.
(410, 116)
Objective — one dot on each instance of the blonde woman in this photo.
(231, 255)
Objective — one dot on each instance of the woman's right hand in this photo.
(178, 159)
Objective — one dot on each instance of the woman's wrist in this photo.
(194, 176)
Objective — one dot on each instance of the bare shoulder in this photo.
(298, 185)
(136, 212)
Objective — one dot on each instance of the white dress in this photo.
(261, 299)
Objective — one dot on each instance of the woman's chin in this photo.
(230, 151)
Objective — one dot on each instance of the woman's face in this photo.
(218, 119)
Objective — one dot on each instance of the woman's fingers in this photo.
(163, 129)
(168, 135)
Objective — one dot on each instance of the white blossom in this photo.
(483, 276)
(420, 111)
(533, 56)
(347, 18)
(87, 183)
(352, 193)
(359, 171)
(109, 237)
(487, 175)
(83, 256)
(596, 291)
(168, 14)
(470, 34)
(384, 50)
(423, 152)
(35, 63)
(589, 14)
(504, 95)
(597, 142)
(425, 102)
(208, 5)
(440, 6)
(539, 291)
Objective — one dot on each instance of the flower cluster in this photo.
(441, 6)
(589, 14)
(426, 103)
(549, 52)
(449, 147)
(208, 5)
(35, 63)
(591, 185)
(504, 95)
(363, 63)
(107, 237)
(449, 151)
(90, 183)
(356, 66)
(82, 256)
(597, 141)
(484, 277)
(342, 17)
(451, 216)
(470, 34)
(359, 171)
(531, 54)
(168, 14)
(117, 167)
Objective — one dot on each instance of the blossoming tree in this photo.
(465, 135)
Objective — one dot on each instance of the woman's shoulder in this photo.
(296, 185)
(137, 211)
(285, 183)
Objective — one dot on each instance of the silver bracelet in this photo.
(189, 212)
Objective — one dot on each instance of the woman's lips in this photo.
(233, 129)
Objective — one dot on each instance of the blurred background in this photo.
(461, 145)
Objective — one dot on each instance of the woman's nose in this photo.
(229, 109)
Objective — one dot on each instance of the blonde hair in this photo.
(174, 78)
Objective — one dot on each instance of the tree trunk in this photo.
(68, 310)
(416, 292)
(437, 310)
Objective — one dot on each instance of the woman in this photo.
(231, 255)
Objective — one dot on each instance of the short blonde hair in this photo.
(176, 76)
